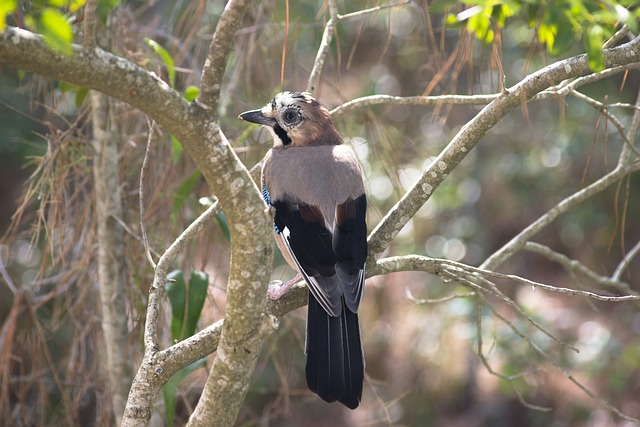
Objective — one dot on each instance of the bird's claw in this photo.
(276, 290)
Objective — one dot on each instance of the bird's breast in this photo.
(323, 176)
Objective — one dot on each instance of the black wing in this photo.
(331, 261)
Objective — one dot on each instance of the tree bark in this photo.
(111, 277)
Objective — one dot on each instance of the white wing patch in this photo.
(314, 286)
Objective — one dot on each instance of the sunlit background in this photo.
(421, 346)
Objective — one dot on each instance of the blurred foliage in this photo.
(558, 24)
(422, 365)
(187, 300)
(166, 59)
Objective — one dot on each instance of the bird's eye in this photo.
(291, 116)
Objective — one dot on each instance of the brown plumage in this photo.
(314, 182)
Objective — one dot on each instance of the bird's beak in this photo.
(256, 116)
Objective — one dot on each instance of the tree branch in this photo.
(323, 49)
(576, 269)
(622, 169)
(214, 65)
(517, 243)
(195, 126)
(368, 101)
(111, 277)
(469, 136)
(624, 264)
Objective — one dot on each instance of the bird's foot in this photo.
(277, 289)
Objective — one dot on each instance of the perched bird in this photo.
(314, 182)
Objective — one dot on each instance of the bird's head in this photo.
(296, 119)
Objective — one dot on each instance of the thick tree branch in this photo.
(246, 325)
(103, 71)
(90, 23)
(214, 65)
(624, 167)
(195, 127)
(474, 130)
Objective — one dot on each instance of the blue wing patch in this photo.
(265, 195)
(267, 199)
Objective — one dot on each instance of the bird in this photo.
(314, 182)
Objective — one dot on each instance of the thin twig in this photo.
(483, 272)
(131, 233)
(619, 35)
(562, 370)
(470, 135)
(368, 101)
(480, 344)
(453, 269)
(624, 264)
(323, 49)
(518, 242)
(5, 275)
(604, 110)
(152, 133)
(576, 268)
(622, 105)
(493, 290)
(363, 12)
(563, 89)
(410, 297)
(157, 288)
(568, 85)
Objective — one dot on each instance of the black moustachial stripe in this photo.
(282, 134)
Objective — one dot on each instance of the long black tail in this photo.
(335, 362)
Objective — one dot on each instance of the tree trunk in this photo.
(111, 282)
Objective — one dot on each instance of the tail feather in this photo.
(353, 358)
(335, 362)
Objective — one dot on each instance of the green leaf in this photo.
(547, 35)
(183, 191)
(74, 5)
(81, 95)
(480, 24)
(6, 8)
(500, 13)
(177, 294)
(191, 93)
(564, 38)
(166, 59)
(532, 10)
(79, 92)
(176, 149)
(66, 87)
(187, 300)
(626, 17)
(56, 31)
(198, 285)
(593, 40)
(221, 219)
(169, 390)
(105, 7)
(452, 21)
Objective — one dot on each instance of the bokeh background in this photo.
(422, 362)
